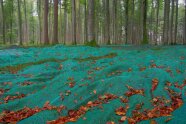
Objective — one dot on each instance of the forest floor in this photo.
(89, 85)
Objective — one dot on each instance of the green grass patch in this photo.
(16, 68)
(110, 55)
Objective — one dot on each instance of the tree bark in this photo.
(3, 21)
(46, 40)
(157, 20)
(85, 22)
(39, 18)
(145, 37)
(176, 22)
(166, 22)
(172, 22)
(55, 28)
(107, 22)
(91, 21)
(126, 23)
(26, 24)
(20, 22)
(65, 20)
(73, 2)
(185, 25)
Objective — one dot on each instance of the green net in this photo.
(93, 72)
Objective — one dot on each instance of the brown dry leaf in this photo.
(167, 120)
(123, 118)
(155, 82)
(153, 122)
(121, 110)
(110, 122)
(94, 92)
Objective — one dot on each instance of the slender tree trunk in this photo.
(85, 22)
(11, 22)
(91, 21)
(46, 40)
(20, 22)
(185, 25)
(132, 23)
(176, 23)
(55, 28)
(126, 23)
(107, 22)
(157, 20)
(3, 21)
(172, 22)
(145, 37)
(166, 22)
(65, 20)
(114, 21)
(39, 18)
(26, 29)
(74, 21)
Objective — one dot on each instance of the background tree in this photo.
(91, 17)
(55, 40)
(45, 37)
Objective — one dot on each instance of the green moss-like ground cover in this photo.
(73, 76)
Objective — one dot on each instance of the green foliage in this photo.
(110, 55)
(16, 68)
(92, 44)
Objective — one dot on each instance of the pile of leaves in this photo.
(15, 116)
(74, 115)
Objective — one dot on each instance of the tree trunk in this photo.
(166, 22)
(39, 18)
(46, 41)
(65, 20)
(126, 22)
(73, 2)
(132, 23)
(107, 22)
(185, 25)
(172, 22)
(20, 22)
(3, 20)
(157, 20)
(176, 23)
(145, 37)
(55, 28)
(26, 29)
(85, 22)
(91, 19)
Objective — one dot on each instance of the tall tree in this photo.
(26, 22)
(39, 18)
(65, 20)
(55, 39)
(107, 22)
(166, 22)
(176, 22)
(127, 18)
(157, 19)
(45, 30)
(20, 22)
(91, 21)
(172, 22)
(3, 21)
(145, 36)
(85, 21)
(185, 25)
(73, 2)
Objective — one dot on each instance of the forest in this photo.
(92, 61)
(103, 22)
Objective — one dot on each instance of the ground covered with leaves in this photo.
(86, 85)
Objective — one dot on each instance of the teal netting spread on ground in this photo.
(48, 81)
